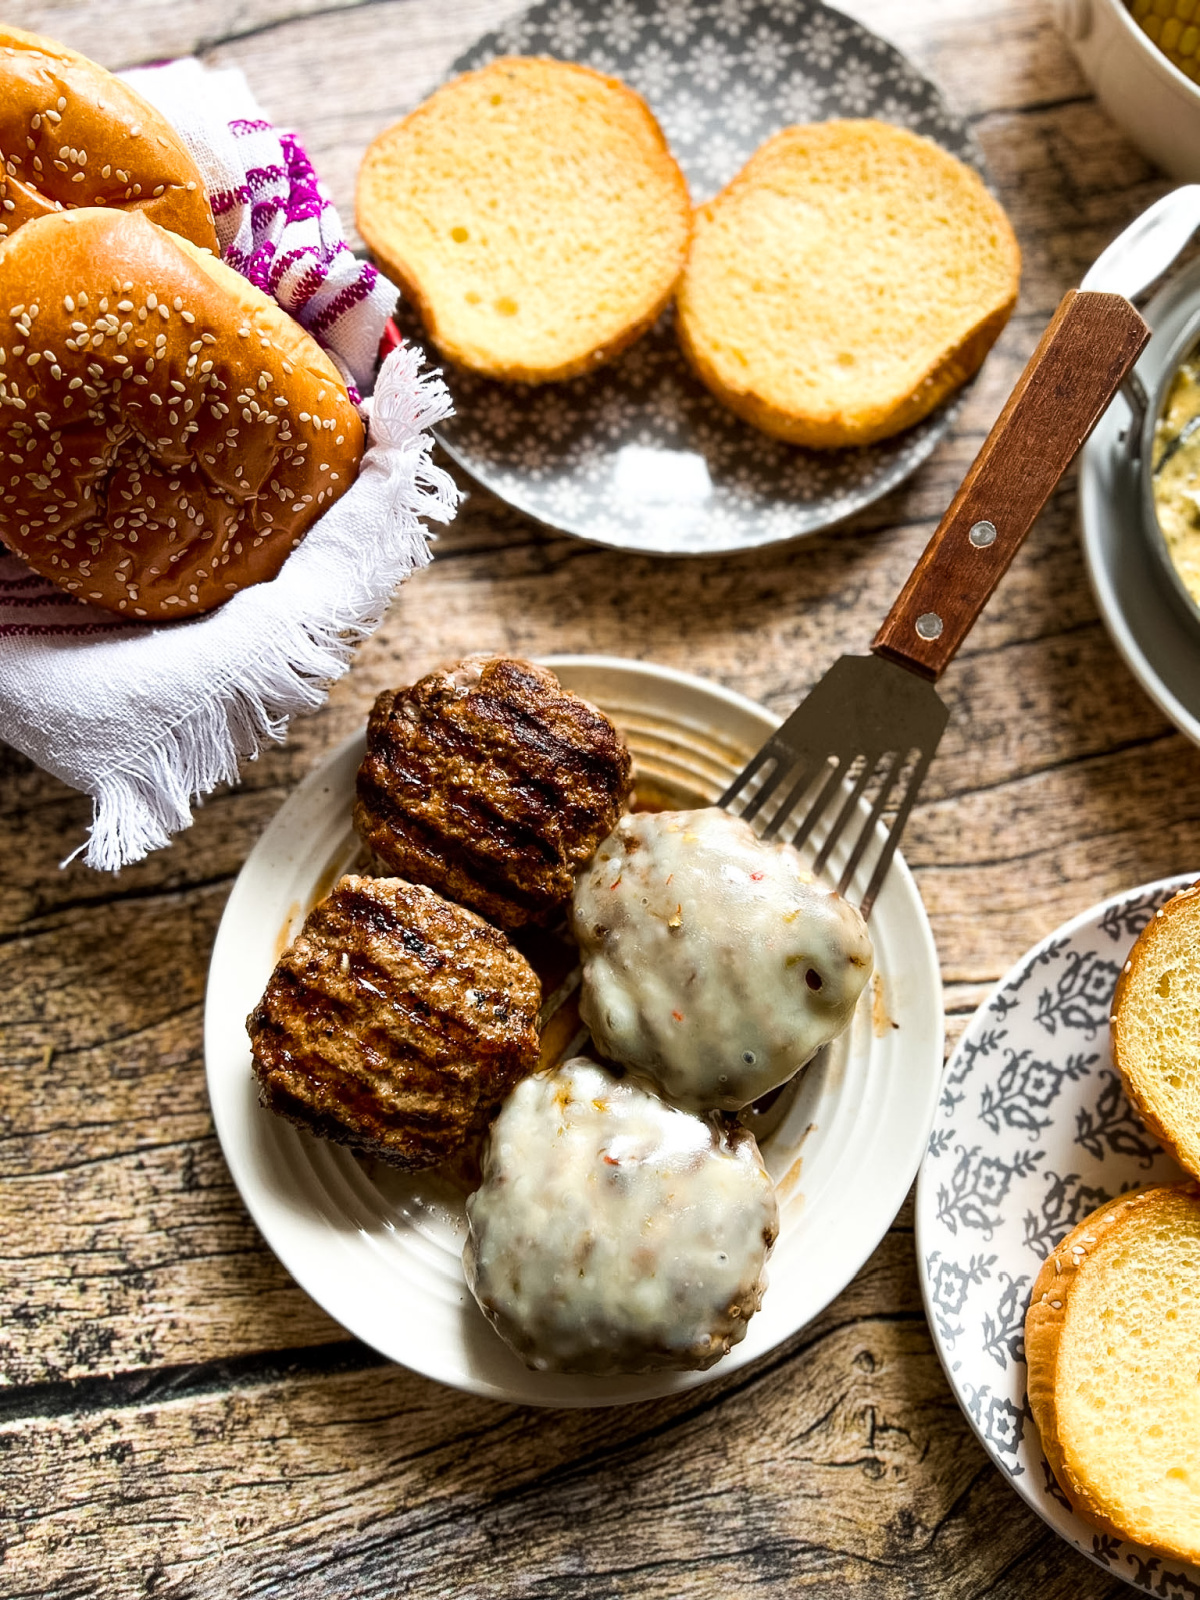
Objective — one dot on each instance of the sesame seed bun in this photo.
(167, 433)
(71, 134)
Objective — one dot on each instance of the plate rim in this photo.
(1067, 930)
(255, 1198)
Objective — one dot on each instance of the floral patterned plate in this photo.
(639, 455)
(1033, 1132)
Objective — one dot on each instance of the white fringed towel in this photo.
(148, 719)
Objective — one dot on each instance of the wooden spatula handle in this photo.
(1083, 356)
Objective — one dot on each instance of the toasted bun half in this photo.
(167, 433)
(849, 278)
(1156, 1027)
(1112, 1341)
(533, 213)
(72, 134)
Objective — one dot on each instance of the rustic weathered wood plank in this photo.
(178, 1417)
(841, 1477)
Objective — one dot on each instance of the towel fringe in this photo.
(137, 807)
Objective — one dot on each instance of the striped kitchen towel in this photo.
(147, 719)
(274, 222)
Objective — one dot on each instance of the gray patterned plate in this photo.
(639, 455)
(1033, 1132)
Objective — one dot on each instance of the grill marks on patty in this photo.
(395, 1023)
(493, 784)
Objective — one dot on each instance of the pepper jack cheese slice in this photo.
(711, 960)
(614, 1233)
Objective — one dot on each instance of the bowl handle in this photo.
(1148, 246)
(1133, 262)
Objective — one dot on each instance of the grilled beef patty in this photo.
(492, 784)
(395, 1023)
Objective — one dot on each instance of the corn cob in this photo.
(1174, 25)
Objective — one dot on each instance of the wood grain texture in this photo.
(178, 1418)
(1079, 363)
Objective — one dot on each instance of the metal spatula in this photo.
(863, 739)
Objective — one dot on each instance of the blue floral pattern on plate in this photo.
(1032, 1133)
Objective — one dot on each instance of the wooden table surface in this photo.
(178, 1417)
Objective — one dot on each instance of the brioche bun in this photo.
(71, 134)
(1156, 1027)
(850, 277)
(533, 213)
(1112, 1341)
(167, 433)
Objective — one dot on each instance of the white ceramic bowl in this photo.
(1151, 100)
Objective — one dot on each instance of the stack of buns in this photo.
(1112, 1335)
(846, 281)
(167, 432)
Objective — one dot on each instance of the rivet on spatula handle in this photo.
(1079, 365)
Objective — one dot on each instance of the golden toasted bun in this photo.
(1156, 1027)
(167, 433)
(533, 213)
(849, 278)
(1112, 1340)
(73, 135)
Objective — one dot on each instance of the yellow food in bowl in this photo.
(1174, 26)
(1176, 472)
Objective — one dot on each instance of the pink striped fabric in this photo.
(31, 607)
(275, 222)
(278, 228)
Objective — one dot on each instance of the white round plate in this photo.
(1160, 644)
(381, 1250)
(1033, 1132)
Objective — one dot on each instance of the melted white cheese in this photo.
(615, 1233)
(712, 963)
